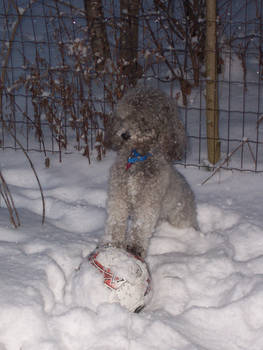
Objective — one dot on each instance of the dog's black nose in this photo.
(126, 135)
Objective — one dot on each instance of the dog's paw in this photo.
(136, 251)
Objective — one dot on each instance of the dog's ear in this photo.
(108, 131)
(178, 138)
(111, 141)
(172, 138)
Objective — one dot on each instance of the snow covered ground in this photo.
(207, 287)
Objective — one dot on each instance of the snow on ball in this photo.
(126, 276)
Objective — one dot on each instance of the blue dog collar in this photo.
(136, 157)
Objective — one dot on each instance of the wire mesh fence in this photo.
(65, 64)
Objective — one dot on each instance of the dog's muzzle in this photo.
(126, 136)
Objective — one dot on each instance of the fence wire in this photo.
(56, 95)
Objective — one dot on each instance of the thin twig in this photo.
(32, 166)
(259, 121)
(228, 157)
(251, 153)
(6, 194)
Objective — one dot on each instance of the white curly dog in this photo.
(144, 186)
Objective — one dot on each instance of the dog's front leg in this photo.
(143, 224)
(116, 224)
(117, 210)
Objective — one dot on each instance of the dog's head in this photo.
(146, 119)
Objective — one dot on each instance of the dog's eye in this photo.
(126, 135)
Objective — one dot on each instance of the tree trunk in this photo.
(129, 13)
(97, 33)
(212, 120)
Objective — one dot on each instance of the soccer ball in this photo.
(125, 275)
